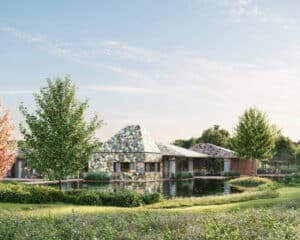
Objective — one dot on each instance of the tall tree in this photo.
(58, 140)
(7, 143)
(215, 135)
(254, 137)
(284, 150)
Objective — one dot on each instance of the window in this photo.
(117, 167)
(124, 167)
(152, 167)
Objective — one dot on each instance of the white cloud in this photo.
(250, 9)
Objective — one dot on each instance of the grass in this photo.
(218, 203)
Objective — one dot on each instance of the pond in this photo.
(170, 189)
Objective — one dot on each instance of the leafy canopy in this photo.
(7, 143)
(285, 149)
(58, 140)
(253, 136)
(214, 135)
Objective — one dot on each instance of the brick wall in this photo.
(243, 166)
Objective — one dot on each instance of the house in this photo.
(133, 154)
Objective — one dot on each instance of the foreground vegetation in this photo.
(270, 224)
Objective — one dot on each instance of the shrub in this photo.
(100, 176)
(40, 194)
(150, 198)
(182, 175)
(14, 193)
(127, 198)
(268, 186)
(232, 174)
(289, 170)
(88, 198)
(249, 181)
(20, 193)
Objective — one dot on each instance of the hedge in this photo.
(21, 193)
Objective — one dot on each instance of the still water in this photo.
(170, 189)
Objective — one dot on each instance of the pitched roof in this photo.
(131, 139)
(213, 151)
(172, 150)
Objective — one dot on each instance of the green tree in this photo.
(215, 135)
(58, 140)
(297, 156)
(254, 137)
(185, 143)
(284, 149)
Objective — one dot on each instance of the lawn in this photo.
(229, 202)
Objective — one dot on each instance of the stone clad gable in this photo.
(131, 139)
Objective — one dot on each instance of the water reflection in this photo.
(170, 189)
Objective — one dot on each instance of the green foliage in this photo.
(297, 156)
(292, 179)
(185, 143)
(88, 198)
(284, 149)
(150, 198)
(21, 193)
(100, 176)
(215, 135)
(249, 182)
(127, 198)
(253, 137)
(232, 174)
(58, 140)
(182, 175)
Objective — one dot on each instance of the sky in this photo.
(176, 67)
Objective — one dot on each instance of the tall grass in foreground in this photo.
(251, 224)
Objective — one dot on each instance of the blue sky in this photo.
(176, 67)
